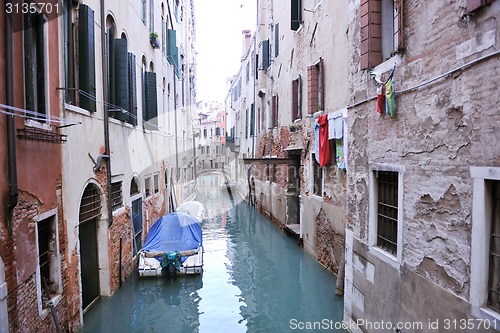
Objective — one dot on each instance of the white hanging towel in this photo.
(335, 125)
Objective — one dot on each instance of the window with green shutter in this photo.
(86, 58)
(173, 50)
(252, 119)
(132, 93)
(150, 102)
(265, 54)
(119, 80)
(34, 62)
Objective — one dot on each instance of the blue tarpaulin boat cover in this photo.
(174, 232)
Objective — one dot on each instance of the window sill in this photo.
(46, 311)
(388, 64)
(385, 257)
(119, 211)
(76, 109)
(37, 124)
(490, 315)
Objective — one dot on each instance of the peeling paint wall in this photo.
(441, 128)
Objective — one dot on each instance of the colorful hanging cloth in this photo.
(324, 145)
(390, 103)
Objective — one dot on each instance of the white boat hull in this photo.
(152, 267)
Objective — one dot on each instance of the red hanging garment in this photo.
(324, 145)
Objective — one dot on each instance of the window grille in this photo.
(43, 249)
(90, 206)
(494, 267)
(116, 195)
(387, 211)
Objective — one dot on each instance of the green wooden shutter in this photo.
(111, 67)
(132, 76)
(86, 55)
(151, 114)
(296, 17)
(256, 66)
(40, 63)
(121, 78)
(28, 63)
(252, 119)
(276, 40)
(265, 54)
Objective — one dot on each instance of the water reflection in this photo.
(255, 279)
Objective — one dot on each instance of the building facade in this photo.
(296, 57)
(97, 103)
(412, 88)
(421, 233)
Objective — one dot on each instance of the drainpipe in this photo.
(106, 117)
(11, 125)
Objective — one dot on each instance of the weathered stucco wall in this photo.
(440, 130)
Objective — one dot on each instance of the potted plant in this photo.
(153, 39)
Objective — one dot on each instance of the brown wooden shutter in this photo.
(312, 89)
(370, 14)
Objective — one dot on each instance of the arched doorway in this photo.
(90, 214)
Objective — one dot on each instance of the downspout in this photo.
(175, 105)
(11, 125)
(106, 117)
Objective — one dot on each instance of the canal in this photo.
(255, 279)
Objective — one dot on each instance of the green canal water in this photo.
(255, 279)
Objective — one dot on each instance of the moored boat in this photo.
(174, 245)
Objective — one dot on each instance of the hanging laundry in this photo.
(390, 103)
(324, 145)
(316, 140)
(340, 154)
(335, 125)
(380, 98)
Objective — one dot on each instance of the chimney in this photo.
(247, 40)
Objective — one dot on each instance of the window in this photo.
(265, 54)
(70, 65)
(205, 132)
(203, 150)
(173, 50)
(385, 226)
(142, 6)
(276, 40)
(252, 119)
(315, 87)
(317, 177)
(86, 58)
(134, 188)
(150, 101)
(49, 270)
(387, 211)
(35, 73)
(494, 262)
(156, 180)
(147, 185)
(150, 12)
(217, 131)
(297, 98)
(381, 31)
(485, 249)
(274, 112)
(248, 72)
(116, 195)
(296, 14)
